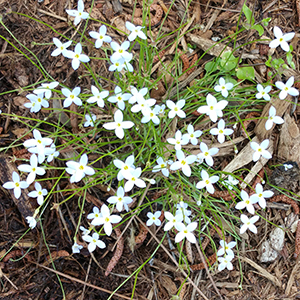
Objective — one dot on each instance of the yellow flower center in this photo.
(81, 168)
(207, 181)
(17, 184)
(77, 56)
(211, 107)
(107, 219)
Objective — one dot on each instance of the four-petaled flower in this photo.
(79, 14)
(206, 154)
(172, 220)
(260, 150)
(39, 193)
(71, 96)
(90, 121)
(161, 166)
(213, 108)
(226, 248)
(192, 135)
(176, 109)
(246, 203)
(76, 248)
(133, 179)
(16, 184)
(207, 182)
(61, 47)
(186, 232)
(31, 222)
(32, 169)
(223, 87)
(273, 118)
(281, 39)
(120, 51)
(286, 88)
(118, 125)
(178, 140)
(263, 92)
(221, 131)
(125, 167)
(77, 56)
(100, 36)
(260, 195)
(153, 218)
(98, 96)
(225, 262)
(119, 98)
(106, 219)
(120, 200)
(79, 169)
(93, 242)
(135, 31)
(248, 223)
(46, 88)
(183, 163)
(95, 215)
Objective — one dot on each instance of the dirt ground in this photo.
(27, 272)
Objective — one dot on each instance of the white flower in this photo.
(71, 96)
(286, 88)
(31, 222)
(150, 114)
(273, 118)
(93, 241)
(176, 109)
(143, 106)
(79, 169)
(77, 56)
(137, 95)
(39, 193)
(107, 219)
(230, 182)
(98, 96)
(78, 14)
(125, 167)
(36, 102)
(192, 135)
(248, 223)
(161, 166)
(84, 230)
(135, 31)
(38, 145)
(32, 169)
(182, 210)
(246, 203)
(61, 47)
(223, 87)
(263, 92)
(281, 39)
(287, 166)
(90, 121)
(260, 195)
(186, 232)
(100, 36)
(206, 154)
(133, 179)
(178, 140)
(120, 200)
(221, 131)
(119, 98)
(207, 182)
(153, 218)
(183, 163)
(260, 150)
(172, 220)
(213, 108)
(120, 64)
(16, 184)
(76, 248)
(226, 248)
(51, 153)
(95, 215)
(118, 125)
(120, 51)
(161, 109)
(46, 88)
(225, 262)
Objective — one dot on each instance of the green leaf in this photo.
(248, 13)
(259, 28)
(245, 73)
(211, 66)
(228, 61)
(266, 21)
